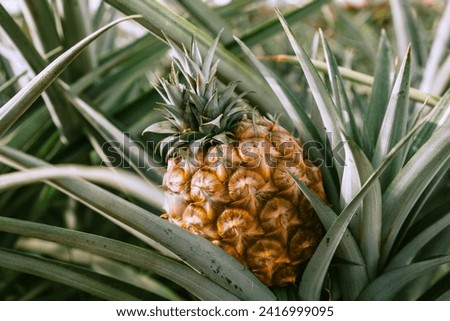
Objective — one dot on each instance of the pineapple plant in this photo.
(227, 176)
(377, 146)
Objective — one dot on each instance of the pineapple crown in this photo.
(196, 111)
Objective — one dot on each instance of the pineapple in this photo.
(227, 177)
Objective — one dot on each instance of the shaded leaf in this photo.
(197, 284)
(394, 124)
(409, 184)
(379, 97)
(76, 277)
(16, 106)
(386, 286)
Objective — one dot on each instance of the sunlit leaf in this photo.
(18, 105)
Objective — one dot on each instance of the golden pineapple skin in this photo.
(240, 197)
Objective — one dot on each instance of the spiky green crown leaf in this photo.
(196, 111)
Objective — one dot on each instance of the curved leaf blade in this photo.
(133, 153)
(118, 179)
(340, 96)
(408, 252)
(437, 52)
(409, 184)
(209, 18)
(194, 250)
(297, 115)
(272, 27)
(18, 105)
(386, 286)
(316, 270)
(321, 96)
(163, 22)
(179, 273)
(73, 276)
(395, 121)
(379, 97)
(371, 214)
(312, 279)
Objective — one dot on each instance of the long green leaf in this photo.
(18, 105)
(160, 20)
(394, 124)
(371, 215)
(343, 158)
(325, 111)
(437, 247)
(321, 96)
(445, 296)
(42, 25)
(150, 282)
(379, 97)
(123, 145)
(354, 276)
(386, 286)
(406, 30)
(120, 180)
(340, 97)
(350, 181)
(179, 273)
(97, 81)
(11, 82)
(360, 78)
(64, 119)
(76, 24)
(438, 50)
(21, 161)
(209, 18)
(408, 252)
(440, 115)
(194, 250)
(442, 78)
(105, 14)
(438, 290)
(421, 205)
(316, 270)
(73, 276)
(271, 27)
(409, 184)
(34, 126)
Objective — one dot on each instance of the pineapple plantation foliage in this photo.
(302, 155)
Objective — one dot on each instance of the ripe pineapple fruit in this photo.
(227, 177)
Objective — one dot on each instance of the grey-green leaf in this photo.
(394, 124)
(316, 270)
(162, 127)
(18, 105)
(410, 183)
(143, 258)
(199, 253)
(76, 277)
(386, 286)
(379, 96)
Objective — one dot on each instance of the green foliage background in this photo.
(76, 98)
